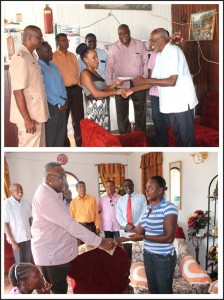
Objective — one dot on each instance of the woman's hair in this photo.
(160, 181)
(82, 50)
(19, 272)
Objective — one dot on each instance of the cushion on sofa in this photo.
(93, 135)
(213, 289)
(193, 272)
(210, 114)
(137, 275)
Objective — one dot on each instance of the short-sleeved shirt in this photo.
(153, 225)
(17, 214)
(26, 75)
(107, 208)
(153, 91)
(174, 99)
(125, 61)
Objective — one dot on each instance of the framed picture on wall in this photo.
(202, 26)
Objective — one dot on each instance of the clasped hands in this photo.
(108, 243)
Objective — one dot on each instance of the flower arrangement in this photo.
(198, 220)
(176, 38)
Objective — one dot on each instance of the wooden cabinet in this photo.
(212, 230)
(10, 129)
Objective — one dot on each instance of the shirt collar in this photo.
(131, 42)
(52, 191)
(42, 63)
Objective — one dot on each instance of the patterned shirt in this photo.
(153, 225)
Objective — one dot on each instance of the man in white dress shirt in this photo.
(138, 207)
(17, 223)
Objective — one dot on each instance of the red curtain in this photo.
(151, 165)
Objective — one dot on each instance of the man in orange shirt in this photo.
(68, 65)
(84, 209)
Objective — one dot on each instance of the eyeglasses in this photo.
(154, 40)
(60, 176)
(111, 203)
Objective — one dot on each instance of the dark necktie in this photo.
(129, 212)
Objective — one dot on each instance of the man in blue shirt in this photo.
(56, 126)
(90, 41)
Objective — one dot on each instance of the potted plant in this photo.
(197, 221)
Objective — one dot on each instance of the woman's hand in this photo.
(119, 91)
(127, 93)
(136, 237)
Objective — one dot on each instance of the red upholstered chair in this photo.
(93, 135)
(206, 126)
(97, 272)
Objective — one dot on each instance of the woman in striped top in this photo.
(157, 227)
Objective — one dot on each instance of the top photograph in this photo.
(108, 75)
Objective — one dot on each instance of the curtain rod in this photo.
(110, 163)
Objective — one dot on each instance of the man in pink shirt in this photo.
(160, 120)
(107, 210)
(128, 57)
(55, 232)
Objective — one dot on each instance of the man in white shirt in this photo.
(177, 96)
(17, 223)
(138, 207)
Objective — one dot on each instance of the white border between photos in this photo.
(126, 150)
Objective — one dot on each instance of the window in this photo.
(72, 181)
(102, 190)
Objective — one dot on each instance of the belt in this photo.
(72, 86)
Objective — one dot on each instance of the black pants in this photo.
(56, 127)
(24, 253)
(75, 105)
(57, 276)
(182, 124)
(122, 107)
(90, 226)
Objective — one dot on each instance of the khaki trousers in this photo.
(36, 139)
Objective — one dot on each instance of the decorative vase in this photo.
(201, 232)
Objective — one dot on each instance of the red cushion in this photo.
(179, 233)
(93, 135)
(210, 113)
(97, 272)
(133, 139)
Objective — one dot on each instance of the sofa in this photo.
(93, 135)
(206, 126)
(189, 277)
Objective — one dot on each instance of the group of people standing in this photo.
(57, 224)
(47, 90)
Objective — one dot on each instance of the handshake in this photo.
(125, 93)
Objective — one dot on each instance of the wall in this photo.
(203, 59)
(27, 169)
(141, 23)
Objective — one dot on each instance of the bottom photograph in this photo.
(111, 223)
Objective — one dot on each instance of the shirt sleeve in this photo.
(145, 61)
(119, 213)
(143, 209)
(110, 67)
(97, 216)
(19, 72)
